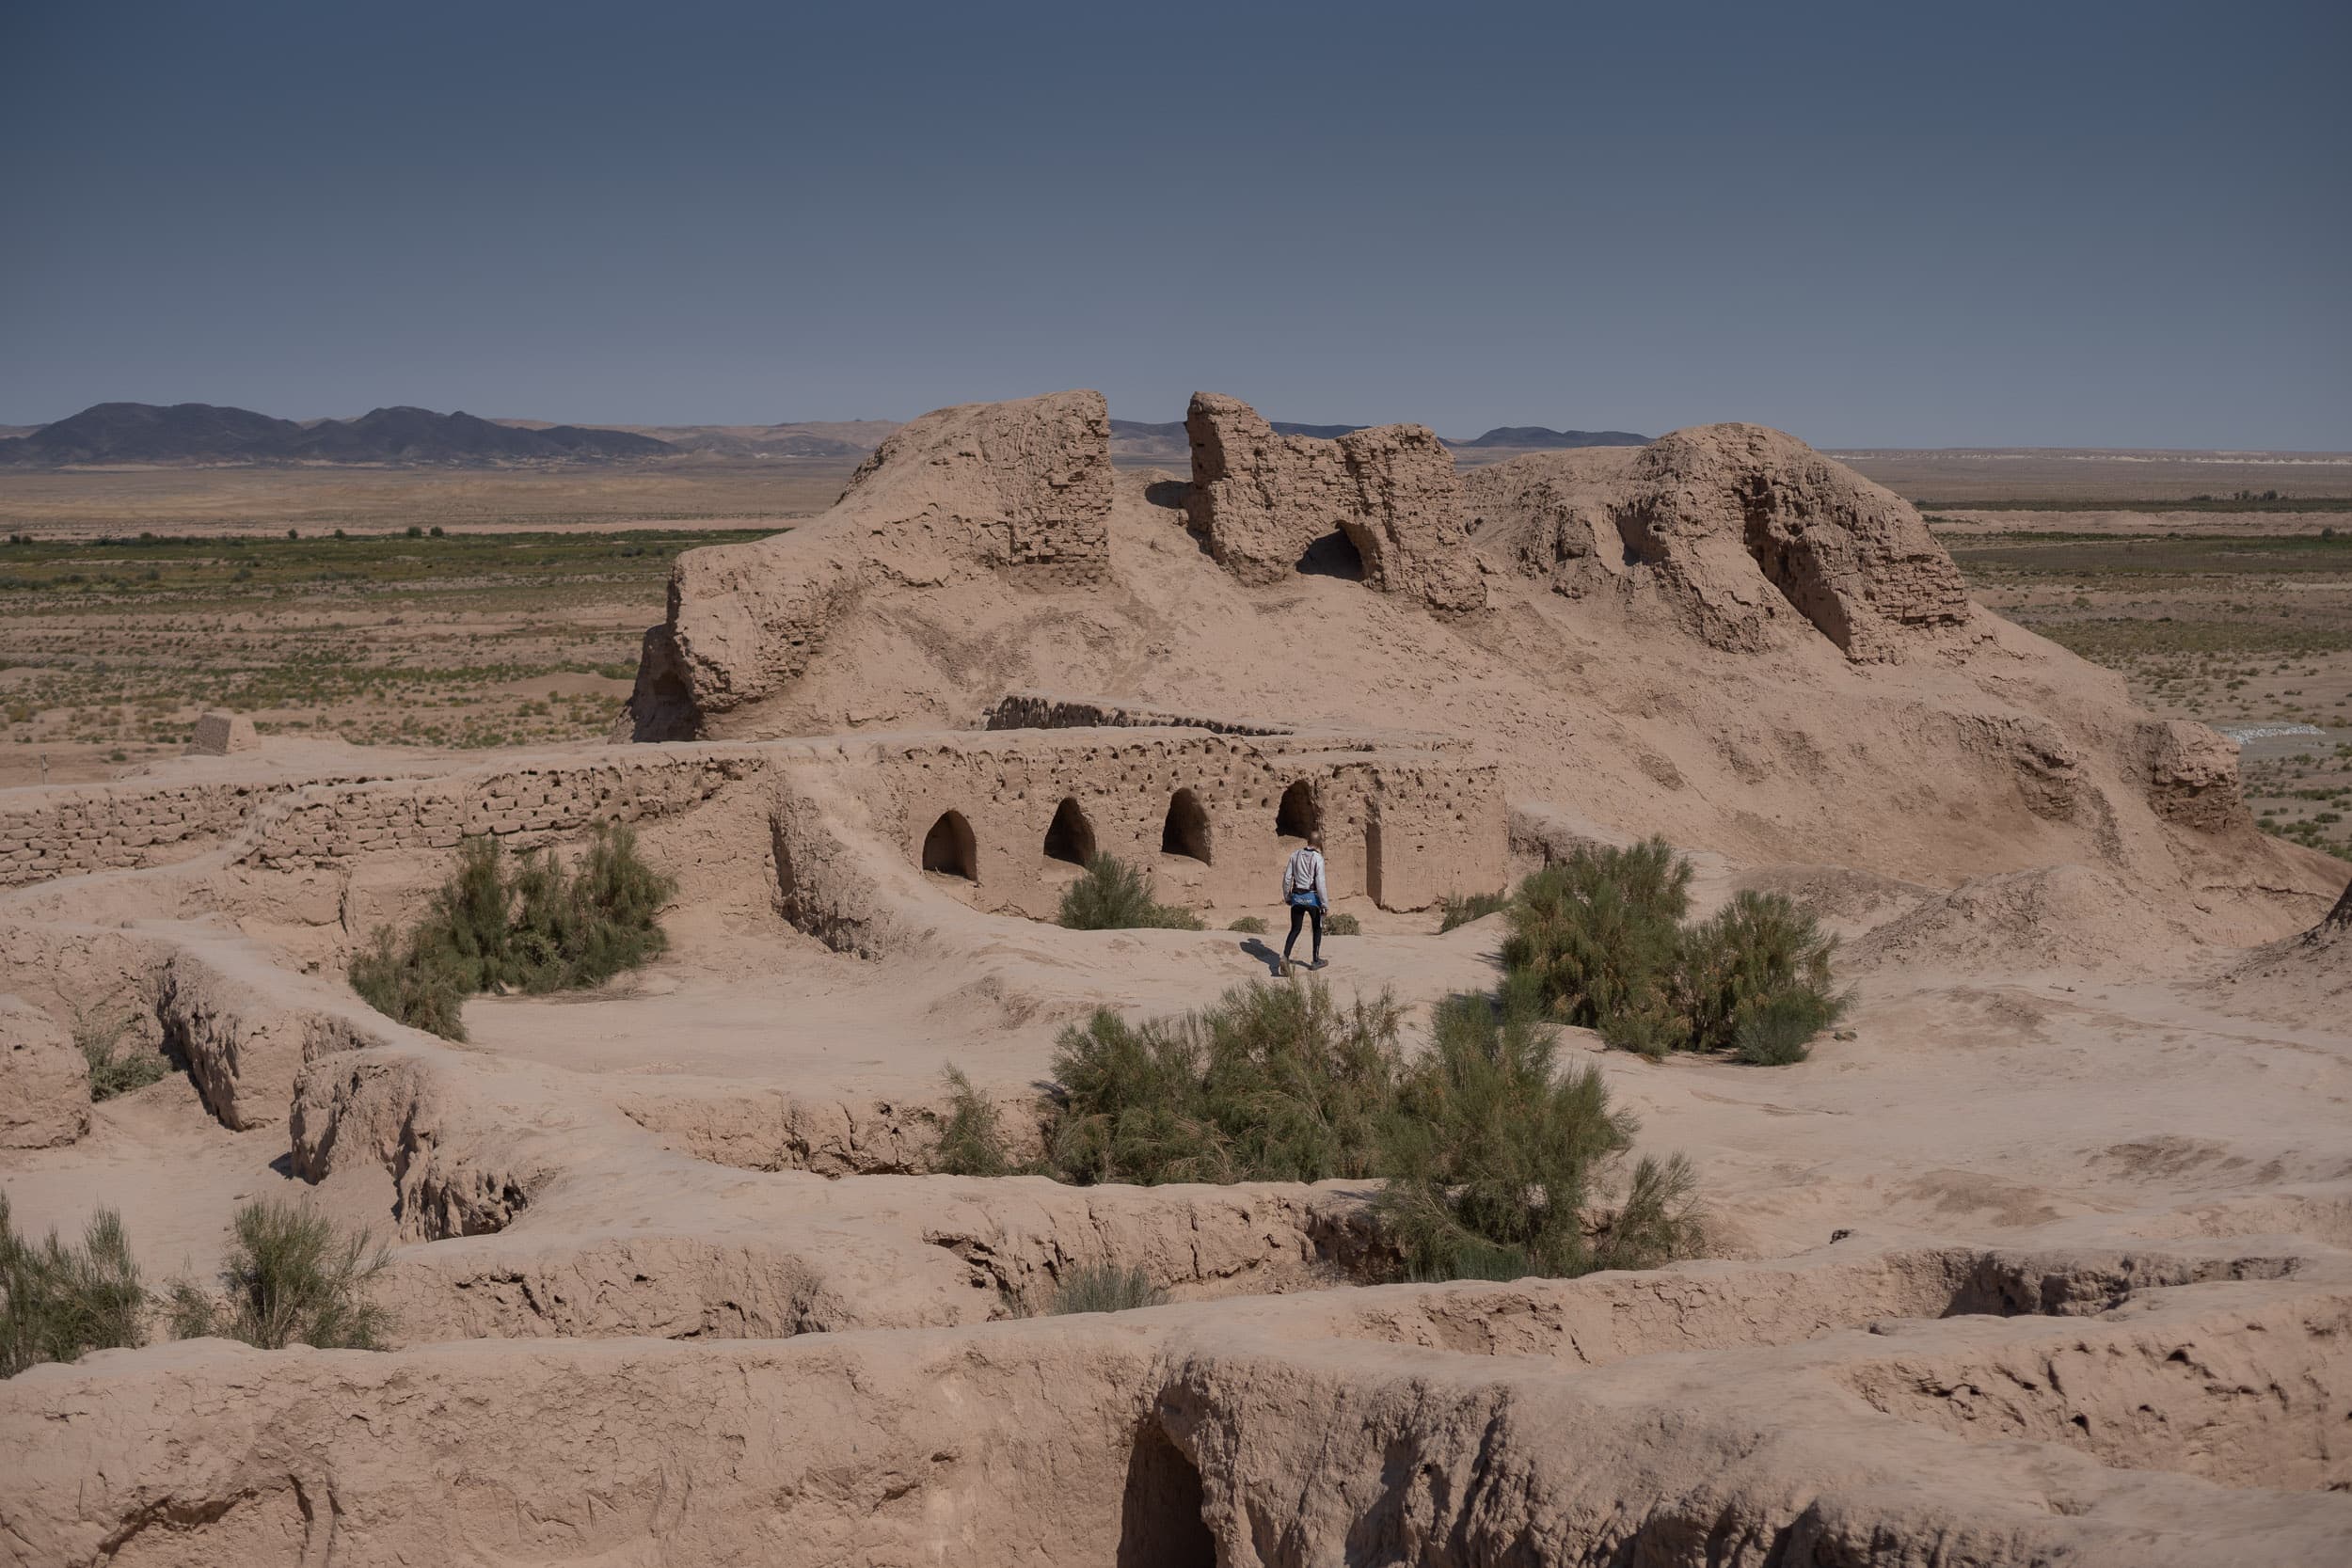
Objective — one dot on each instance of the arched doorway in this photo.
(1186, 830)
(1071, 837)
(948, 848)
(1300, 815)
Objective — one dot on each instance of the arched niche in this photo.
(949, 849)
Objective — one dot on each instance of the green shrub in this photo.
(1105, 1287)
(114, 1071)
(537, 928)
(971, 1139)
(1461, 909)
(59, 1302)
(1116, 897)
(1500, 1163)
(1755, 977)
(1598, 940)
(1343, 925)
(1495, 1156)
(291, 1278)
(1248, 925)
(1270, 1084)
(1599, 936)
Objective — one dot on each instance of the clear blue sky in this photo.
(1870, 223)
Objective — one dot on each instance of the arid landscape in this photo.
(784, 955)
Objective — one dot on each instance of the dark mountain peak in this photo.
(1538, 438)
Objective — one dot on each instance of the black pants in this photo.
(1299, 913)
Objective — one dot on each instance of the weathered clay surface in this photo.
(1194, 1433)
(247, 1031)
(1021, 489)
(2192, 774)
(44, 1084)
(1264, 501)
(1735, 525)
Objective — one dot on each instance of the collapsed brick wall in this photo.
(1405, 820)
(74, 831)
(1044, 710)
(539, 798)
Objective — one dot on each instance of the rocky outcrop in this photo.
(1267, 503)
(1021, 489)
(2192, 774)
(44, 1084)
(1735, 527)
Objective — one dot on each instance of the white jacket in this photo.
(1303, 871)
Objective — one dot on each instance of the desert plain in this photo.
(2038, 1256)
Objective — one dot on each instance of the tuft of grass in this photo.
(1461, 909)
(972, 1140)
(59, 1302)
(1105, 1287)
(536, 927)
(1248, 925)
(1599, 941)
(114, 1071)
(1114, 895)
(1343, 925)
(291, 1278)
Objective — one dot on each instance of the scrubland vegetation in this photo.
(59, 1302)
(1498, 1161)
(291, 1278)
(532, 923)
(2218, 628)
(1601, 941)
(114, 1068)
(458, 640)
(1113, 895)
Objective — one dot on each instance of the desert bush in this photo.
(1499, 1162)
(1271, 1082)
(1105, 1287)
(1248, 925)
(1113, 895)
(972, 1138)
(537, 927)
(57, 1302)
(1755, 979)
(291, 1278)
(97, 1035)
(1461, 909)
(1343, 925)
(1497, 1158)
(1598, 940)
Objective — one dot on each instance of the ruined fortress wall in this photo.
(547, 797)
(1213, 817)
(1206, 813)
(1046, 710)
(73, 831)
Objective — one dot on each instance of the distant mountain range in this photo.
(201, 433)
(1534, 437)
(1139, 441)
(145, 432)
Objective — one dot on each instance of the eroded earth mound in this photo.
(2045, 1256)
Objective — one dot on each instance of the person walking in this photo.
(1307, 889)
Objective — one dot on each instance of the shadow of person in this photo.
(1265, 954)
